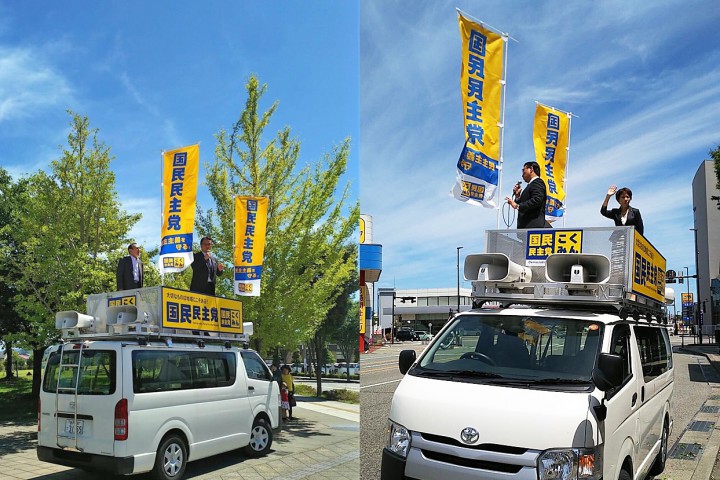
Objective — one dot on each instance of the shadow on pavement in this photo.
(19, 440)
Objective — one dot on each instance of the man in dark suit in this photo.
(530, 204)
(129, 273)
(206, 269)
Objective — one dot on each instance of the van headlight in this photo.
(398, 439)
(570, 464)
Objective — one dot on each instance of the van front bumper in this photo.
(392, 467)
(86, 461)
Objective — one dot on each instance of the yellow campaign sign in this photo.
(545, 242)
(194, 311)
(120, 301)
(648, 270)
(250, 229)
(551, 137)
(363, 300)
(180, 177)
(481, 86)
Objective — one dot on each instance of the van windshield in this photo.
(506, 349)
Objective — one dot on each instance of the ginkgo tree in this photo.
(311, 218)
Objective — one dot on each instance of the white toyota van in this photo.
(570, 377)
(129, 396)
(533, 393)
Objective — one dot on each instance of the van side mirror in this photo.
(609, 371)
(407, 358)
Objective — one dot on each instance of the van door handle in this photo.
(251, 388)
(634, 399)
(642, 393)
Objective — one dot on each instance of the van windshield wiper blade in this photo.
(561, 381)
(456, 373)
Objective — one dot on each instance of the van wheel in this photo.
(624, 475)
(261, 438)
(659, 464)
(171, 459)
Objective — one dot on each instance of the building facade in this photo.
(426, 309)
(707, 239)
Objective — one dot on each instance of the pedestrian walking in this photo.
(287, 378)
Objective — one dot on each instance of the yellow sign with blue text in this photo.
(545, 242)
(180, 177)
(250, 229)
(551, 137)
(648, 270)
(481, 88)
(194, 311)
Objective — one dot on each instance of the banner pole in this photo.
(501, 160)
(162, 210)
(567, 166)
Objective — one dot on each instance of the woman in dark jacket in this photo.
(625, 215)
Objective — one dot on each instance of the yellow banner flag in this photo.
(250, 229)
(481, 87)
(551, 137)
(180, 178)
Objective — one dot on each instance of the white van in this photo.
(570, 376)
(521, 399)
(131, 403)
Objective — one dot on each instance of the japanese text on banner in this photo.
(551, 136)
(250, 227)
(180, 176)
(481, 86)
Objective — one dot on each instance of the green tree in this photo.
(12, 196)
(71, 225)
(335, 317)
(347, 335)
(309, 221)
(715, 156)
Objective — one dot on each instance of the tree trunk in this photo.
(37, 371)
(9, 360)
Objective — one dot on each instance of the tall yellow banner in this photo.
(551, 137)
(250, 229)
(180, 177)
(481, 87)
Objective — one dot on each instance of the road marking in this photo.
(378, 384)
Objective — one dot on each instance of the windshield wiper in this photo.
(456, 373)
(561, 381)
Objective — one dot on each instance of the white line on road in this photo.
(381, 383)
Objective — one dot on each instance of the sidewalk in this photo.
(321, 443)
(695, 454)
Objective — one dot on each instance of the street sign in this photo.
(670, 276)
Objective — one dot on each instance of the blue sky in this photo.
(642, 78)
(155, 76)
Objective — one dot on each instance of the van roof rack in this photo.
(157, 314)
(604, 269)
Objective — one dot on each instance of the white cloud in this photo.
(29, 84)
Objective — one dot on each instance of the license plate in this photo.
(70, 427)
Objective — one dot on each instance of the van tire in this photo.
(261, 438)
(624, 475)
(170, 459)
(659, 464)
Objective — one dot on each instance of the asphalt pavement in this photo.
(321, 443)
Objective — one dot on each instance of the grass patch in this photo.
(16, 402)
(346, 396)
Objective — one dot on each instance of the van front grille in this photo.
(466, 462)
(488, 447)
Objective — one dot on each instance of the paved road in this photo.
(321, 444)
(697, 384)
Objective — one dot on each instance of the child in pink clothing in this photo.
(284, 400)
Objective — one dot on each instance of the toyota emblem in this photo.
(469, 435)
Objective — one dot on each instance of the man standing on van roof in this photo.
(129, 273)
(530, 204)
(206, 269)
